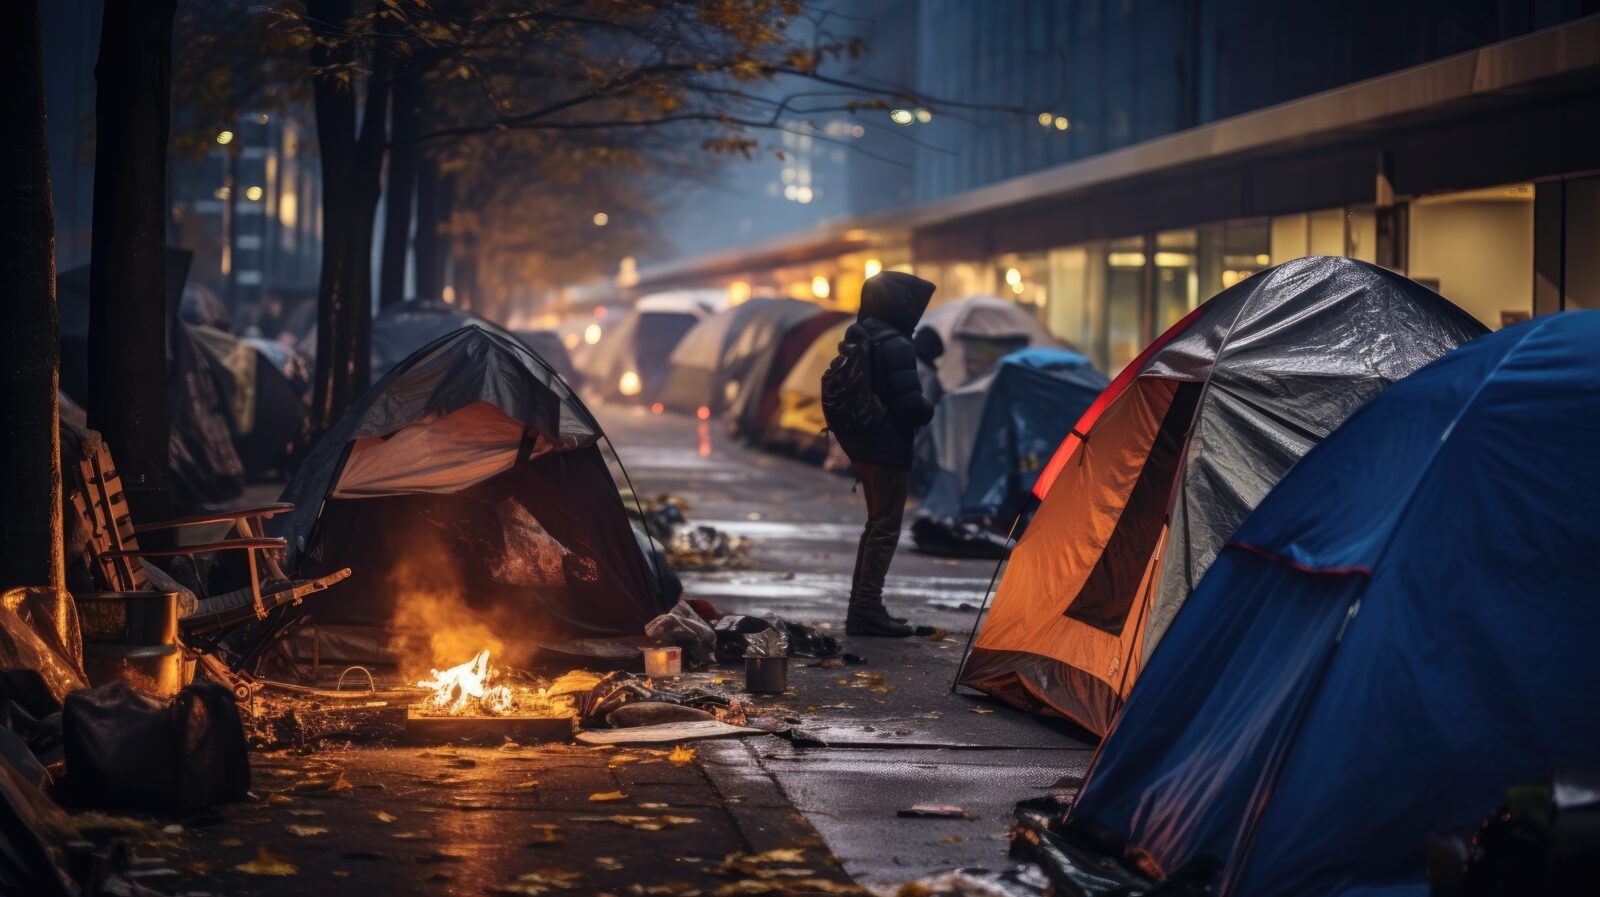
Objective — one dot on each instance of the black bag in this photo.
(129, 750)
(850, 404)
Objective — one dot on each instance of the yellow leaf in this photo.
(546, 833)
(305, 831)
(681, 755)
(266, 863)
(607, 795)
(383, 817)
(278, 800)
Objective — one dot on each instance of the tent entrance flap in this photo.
(444, 455)
(1116, 581)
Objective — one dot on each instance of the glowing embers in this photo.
(475, 703)
(475, 688)
(465, 689)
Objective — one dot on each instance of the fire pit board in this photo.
(491, 730)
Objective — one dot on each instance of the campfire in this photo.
(474, 699)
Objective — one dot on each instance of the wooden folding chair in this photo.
(261, 607)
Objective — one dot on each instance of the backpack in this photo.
(850, 404)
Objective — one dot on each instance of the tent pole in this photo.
(973, 633)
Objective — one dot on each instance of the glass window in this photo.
(1228, 253)
(1582, 263)
(1177, 276)
(1124, 264)
(1025, 279)
(1363, 234)
(1071, 313)
(1325, 231)
(1476, 248)
(1290, 238)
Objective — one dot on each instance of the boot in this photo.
(868, 618)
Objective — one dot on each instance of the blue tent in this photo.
(1405, 627)
(992, 436)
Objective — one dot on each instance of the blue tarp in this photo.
(1405, 627)
(987, 462)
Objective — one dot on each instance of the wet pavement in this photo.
(818, 809)
(895, 734)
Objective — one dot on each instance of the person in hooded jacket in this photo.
(891, 305)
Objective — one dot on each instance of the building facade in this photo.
(1169, 148)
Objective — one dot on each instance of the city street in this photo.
(449, 445)
(915, 743)
(866, 740)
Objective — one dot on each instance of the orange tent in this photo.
(1183, 444)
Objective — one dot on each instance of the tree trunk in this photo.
(402, 187)
(352, 166)
(127, 268)
(30, 453)
(430, 247)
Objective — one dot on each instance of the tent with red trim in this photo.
(1161, 469)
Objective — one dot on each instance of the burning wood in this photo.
(476, 689)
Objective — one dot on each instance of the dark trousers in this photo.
(885, 488)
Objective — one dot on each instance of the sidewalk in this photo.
(518, 820)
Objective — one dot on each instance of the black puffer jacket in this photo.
(891, 305)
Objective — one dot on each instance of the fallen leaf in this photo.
(546, 833)
(607, 795)
(531, 783)
(342, 873)
(305, 831)
(651, 805)
(383, 817)
(938, 635)
(981, 710)
(231, 842)
(412, 836)
(610, 864)
(265, 863)
(305, 811)
(341, 784)
(278, 800)
(681, 755)
(642, 823)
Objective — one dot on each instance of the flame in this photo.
(467, 688)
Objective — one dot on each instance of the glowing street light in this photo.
(224, 138)
(601, 219)
(629, 384)
(1046, 118)
(873, 266)
(591, 334)
(253, 194)
(819, 287)
(1061, 123)
(923, 115)
(1013, 276)
(902, 116)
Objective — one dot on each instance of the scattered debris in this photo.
(599, 796)
(934, 811)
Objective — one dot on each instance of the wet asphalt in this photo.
(895, 734)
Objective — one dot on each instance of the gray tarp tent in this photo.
(640, 344)
(471, 468)
(709, 364)
(1155, 477)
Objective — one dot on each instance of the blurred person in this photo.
(873, 400)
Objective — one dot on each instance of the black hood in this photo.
(896, 299)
